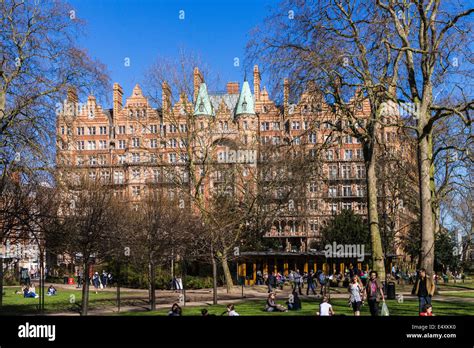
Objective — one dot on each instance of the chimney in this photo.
(118, 98)
(165, 97)
(256, 82)
(232, 87)
(72, 95)
(286, 96)
(198, 79)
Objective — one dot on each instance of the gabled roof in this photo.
(203, 104)
(245, 104)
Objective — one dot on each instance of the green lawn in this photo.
(64, 301)
(463, 294)
(341, 307)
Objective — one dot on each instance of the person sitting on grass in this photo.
(294, 303)
(231, 311)
(29, 292)
(272, 306)
(51, 290)
(325, 309)
(175, 311)
(427, 311)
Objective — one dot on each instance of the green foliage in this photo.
(445, 245)
(346, 228)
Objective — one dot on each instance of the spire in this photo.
(203, 104)
(245, 104)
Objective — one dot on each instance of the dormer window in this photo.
(91, 113)
(130, 114)
(201, 107)
(244, 105)
(143, 113)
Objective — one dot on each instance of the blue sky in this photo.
(141, 30)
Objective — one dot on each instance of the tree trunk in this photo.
(372, 209)
(1, 282)
(214, 277)
(85, 290)
(227, 275)
(151, 269)
(427, 225)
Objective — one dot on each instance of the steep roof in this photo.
(245, 104)
(203, 104)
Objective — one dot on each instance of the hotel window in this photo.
(333, 208)
(80, 130)
(153, 129)
(348, 154)
(136, 174)
(275, 140)
(359, 154)
(276, 125)
(172, 158)
(332, 191)
(346, 191)
(118, 178)
(92, 160)
(153, 143)
(135, 142)
(122, 159)
(173, 128)
(105, 175)
(312, 138)
(183, 128)
(156, 175)
(173, 143)
(313, 204)
(245, 125)
(305, 125)
(312, 187)
(91, 130)
(102, 144)
(333, 171)
(347, 206)
(135, 157)
(121, 144)
(295, 125)
(103, 130)
(102, 160)
(162, 129)
(92, 176)
(136, 190)
(265, 126)
(313, 227)
(297, 140)
(360, 172)
(80, 161)
(346, 171)
(130, 130)
(359, 191)
(80, 145)
(63, 130)
(91, 145)
(348, 139)
(153, 158)
(121, 129)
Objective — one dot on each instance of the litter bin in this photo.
(391, 291)
(70, 281)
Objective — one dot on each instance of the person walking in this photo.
(259, 278)
(356, 289)
(298, 279)
(271, 281)
(374, 293)
(96, 281)
(424, 288)
(322, 282)
(310, 280)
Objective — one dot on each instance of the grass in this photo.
(309, 308)
(63, 301)
(463, 294)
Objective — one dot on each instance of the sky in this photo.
(142, 30)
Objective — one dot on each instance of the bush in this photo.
(198, 282)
